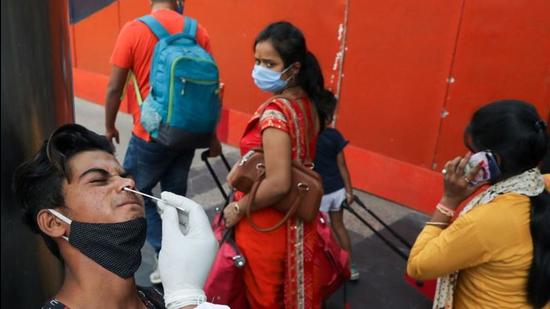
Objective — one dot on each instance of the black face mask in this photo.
(115, 246)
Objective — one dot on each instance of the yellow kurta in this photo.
(491, 245)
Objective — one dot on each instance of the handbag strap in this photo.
(287, 216)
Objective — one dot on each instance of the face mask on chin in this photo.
(269, 80)
(114, 246)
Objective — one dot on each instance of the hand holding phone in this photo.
(462, 176)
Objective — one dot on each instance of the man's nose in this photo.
(126, 182)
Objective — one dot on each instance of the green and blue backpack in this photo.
(183, 106)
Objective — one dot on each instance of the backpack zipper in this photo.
(195, 81)
(184, 80)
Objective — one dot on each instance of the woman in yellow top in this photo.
(496, 253)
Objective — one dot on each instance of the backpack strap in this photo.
(190, 27)
(154, 26)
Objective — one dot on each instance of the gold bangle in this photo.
(237, 208)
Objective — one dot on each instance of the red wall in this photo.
(503, 51)
(413, 72)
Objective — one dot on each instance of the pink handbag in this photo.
(225, 283)
(333, 261)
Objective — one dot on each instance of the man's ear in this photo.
(50, 224)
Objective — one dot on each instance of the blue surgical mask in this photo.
(268, 80)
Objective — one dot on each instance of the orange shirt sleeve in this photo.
(123, 52)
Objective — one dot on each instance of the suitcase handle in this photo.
(204, 157)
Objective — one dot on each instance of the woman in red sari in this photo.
(280, 272)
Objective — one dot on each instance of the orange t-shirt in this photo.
(134, 51)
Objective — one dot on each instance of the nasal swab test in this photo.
(154, 198)
(182, 216)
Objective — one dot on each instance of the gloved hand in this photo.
(185, 260)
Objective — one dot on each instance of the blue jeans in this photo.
(150, 163)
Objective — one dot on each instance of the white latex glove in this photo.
(185, 260)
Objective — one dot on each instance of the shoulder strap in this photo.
(154, 26)
(289, 213)
(190, 27)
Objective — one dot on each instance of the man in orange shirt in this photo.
(149, 162)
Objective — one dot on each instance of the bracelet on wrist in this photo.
(237, 208)
(438, 224)
(445, 210)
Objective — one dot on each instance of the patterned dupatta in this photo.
(529, 183)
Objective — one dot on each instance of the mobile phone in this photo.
(489, 167)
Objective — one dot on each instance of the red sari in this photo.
(280, 272)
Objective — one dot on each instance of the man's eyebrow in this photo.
(123, 173)
(95, 170)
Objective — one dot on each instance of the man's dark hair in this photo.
(38, 182)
